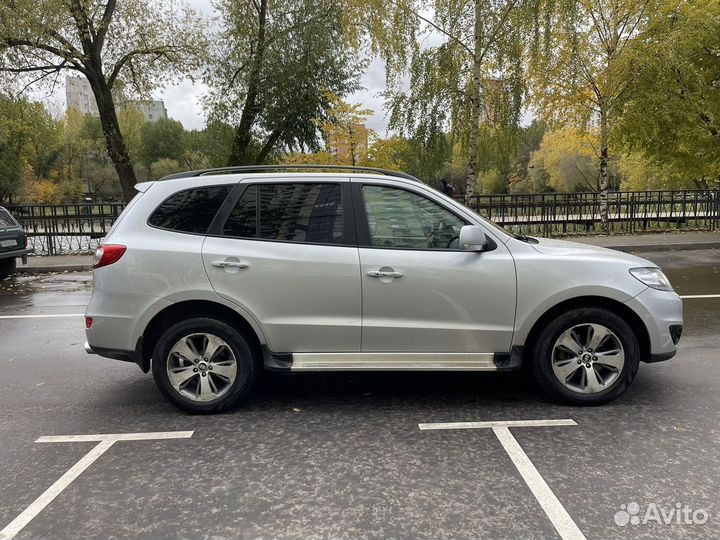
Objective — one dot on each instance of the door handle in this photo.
(230, 264)
(384, 274)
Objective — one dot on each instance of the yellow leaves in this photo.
(42, 192)
(389, 153)
(566, 160)
(317, 158)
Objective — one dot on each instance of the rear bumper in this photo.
(16, 253)
(124, 356)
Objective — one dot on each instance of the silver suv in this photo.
(209, 277)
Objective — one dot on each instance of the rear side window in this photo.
(191, 210)
(310, 213)
(6, 220)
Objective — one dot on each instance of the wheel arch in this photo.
(628, 315)
(188, 309)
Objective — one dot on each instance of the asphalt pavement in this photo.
(341, 455)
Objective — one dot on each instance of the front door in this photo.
(286, 256)
(420, 293)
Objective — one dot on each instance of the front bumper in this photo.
(661, 311)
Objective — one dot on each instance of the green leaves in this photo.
(272, 66)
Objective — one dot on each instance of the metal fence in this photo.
(562, 214)
(66, 229)
(77, 228)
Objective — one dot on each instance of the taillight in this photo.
(108, 254)
(88, 322)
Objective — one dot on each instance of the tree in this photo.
(641, 173)
(164, 139)
(271, 68)
(209, 147)
(345, 126)
(565, 161)
(518, 177)
(583, 75)
(671, 120)
(392, 154)
(116, 46)
(29, 141)
(163, 167)
(472, 77)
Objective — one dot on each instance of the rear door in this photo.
(420, 292)
(287, 254)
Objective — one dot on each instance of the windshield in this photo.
(6, 220)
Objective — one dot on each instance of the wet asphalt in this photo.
(340, 455)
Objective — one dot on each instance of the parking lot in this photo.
(342, 455)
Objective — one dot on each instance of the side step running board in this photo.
(394, 362)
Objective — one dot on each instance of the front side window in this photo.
(191, 210)
(307, 212)
(401, 219)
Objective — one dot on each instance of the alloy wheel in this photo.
(588, 358)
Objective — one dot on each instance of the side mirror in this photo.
(473, 238)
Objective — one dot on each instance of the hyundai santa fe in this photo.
(209, 277)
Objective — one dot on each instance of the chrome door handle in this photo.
(384, 273)
(230, 264)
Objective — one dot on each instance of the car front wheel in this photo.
(587, 356)
(203, 365)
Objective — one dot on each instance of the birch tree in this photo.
(584, 75)
(453, 65)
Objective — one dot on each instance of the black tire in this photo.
(7, 267)
(542, 350)
(247, 366)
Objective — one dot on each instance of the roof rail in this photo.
(290, 166)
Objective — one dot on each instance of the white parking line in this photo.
(690, 296)
(104, 443)
(42, 316)
(553, 508)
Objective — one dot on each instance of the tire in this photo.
(7, 267)
(205, 389)
(585, 377)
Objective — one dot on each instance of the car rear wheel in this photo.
(203, 365)
(7, 267)
(587, 356)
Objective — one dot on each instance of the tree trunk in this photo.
(604, 143)
(475, 104)
(117, 151)
(241, 154)
(270, 144)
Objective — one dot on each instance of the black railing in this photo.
(78, 228)
(66, 229)
(561, 214)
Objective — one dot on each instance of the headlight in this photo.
(652, 277)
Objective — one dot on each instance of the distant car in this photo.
(210, 276)
(13, 243)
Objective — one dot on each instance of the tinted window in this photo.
(190, 211)
(242, 222)
(402, 219)
(289, 212)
